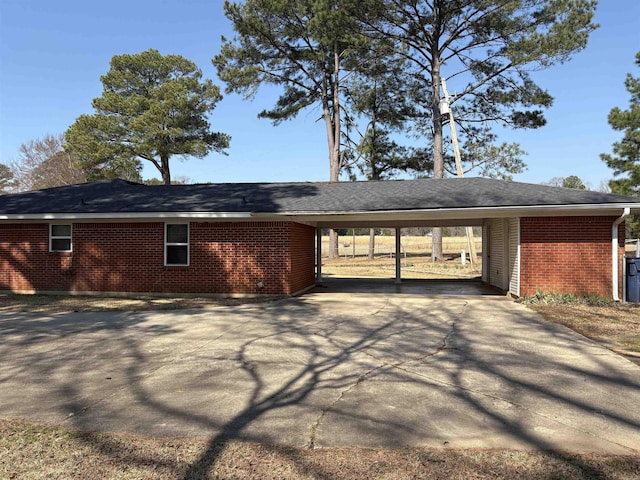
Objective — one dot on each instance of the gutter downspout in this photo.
(614, 252)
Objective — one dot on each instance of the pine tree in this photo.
(152, 108)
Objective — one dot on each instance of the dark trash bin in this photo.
(633, 279)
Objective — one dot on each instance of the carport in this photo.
(397, 225)
(531, 234)
(500, 251)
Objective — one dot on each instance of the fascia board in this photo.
(125, 216)
(362, 215)
(474, 212)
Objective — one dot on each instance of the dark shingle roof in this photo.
(119, 196)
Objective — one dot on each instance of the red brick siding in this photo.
(118, 257)
(25, 260)
(567, 255)
(129, 257)
(235, 257)
(302, 257)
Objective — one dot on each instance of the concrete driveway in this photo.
(326, 369)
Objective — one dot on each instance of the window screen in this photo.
(177, 244)
(60, 238)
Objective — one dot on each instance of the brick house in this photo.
(260, 238)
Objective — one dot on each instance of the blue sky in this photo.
(53, 53)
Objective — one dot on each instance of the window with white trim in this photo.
(176, 244)
(59, 237)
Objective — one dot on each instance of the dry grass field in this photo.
(415, 258)
(349, 245)
(616, 325)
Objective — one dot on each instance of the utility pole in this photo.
(473, 255)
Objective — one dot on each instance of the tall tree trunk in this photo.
(332, 122)
(164, 170)
(375, 175)
(333, 244)
(372, 243)
(438, 154)
(334, 172)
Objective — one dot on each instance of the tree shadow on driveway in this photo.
(318, 372)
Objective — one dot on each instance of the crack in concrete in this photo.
(400, 366)
(514, 404)
(368, 373)
(185, 354)
(359, 380)
(324, 411)
(443, 346)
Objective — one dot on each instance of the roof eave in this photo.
(326, 217)
(126, 216)
(465, 213)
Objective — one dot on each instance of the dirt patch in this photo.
(616, 325)
(85, 303)
(29, 451)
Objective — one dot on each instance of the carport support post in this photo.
(318, 255)
(398, 253)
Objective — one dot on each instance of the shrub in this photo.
(564, 298)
